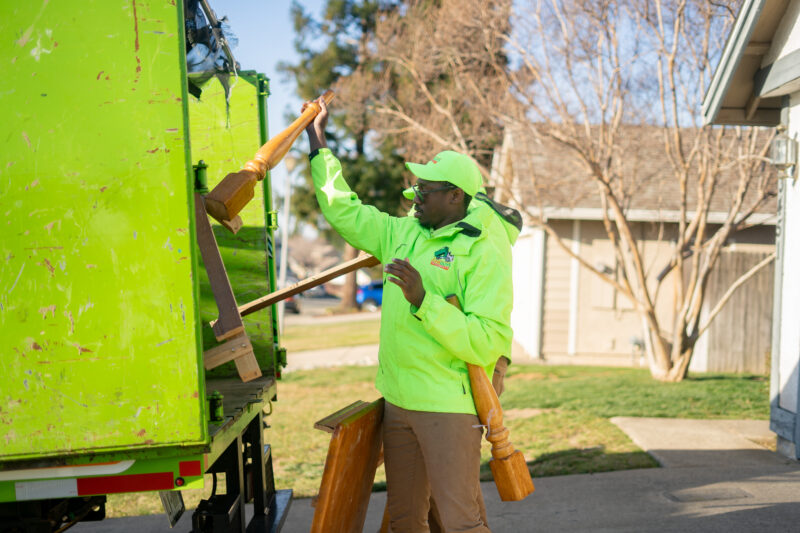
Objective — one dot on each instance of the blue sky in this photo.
(265, 33)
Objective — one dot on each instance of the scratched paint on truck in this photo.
(99, 347)
(225, 139)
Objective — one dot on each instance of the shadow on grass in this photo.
(717, 377)
(569, 462)
(581, 461)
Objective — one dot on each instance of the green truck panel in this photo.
(225, 136)
(97, 236)
(104, 303)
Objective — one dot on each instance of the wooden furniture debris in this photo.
(353, 457)
(362, 261)
(236, 189)
(229, 326)
(509, 469)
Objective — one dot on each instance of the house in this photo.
(757, 82)
(567, 314)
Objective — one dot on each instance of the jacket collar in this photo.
(465, 232)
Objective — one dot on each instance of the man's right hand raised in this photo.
(316, 130)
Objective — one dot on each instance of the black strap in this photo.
(509, 214)
(468, 229)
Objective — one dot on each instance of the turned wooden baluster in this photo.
(237, 188)
(509, 469)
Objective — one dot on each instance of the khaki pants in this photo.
(432, 455)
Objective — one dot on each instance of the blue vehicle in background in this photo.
(369, 297)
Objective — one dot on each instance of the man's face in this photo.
(431, 203)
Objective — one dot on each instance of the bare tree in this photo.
(442, 65)
(589, 76)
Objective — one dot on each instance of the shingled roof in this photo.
(545, 174)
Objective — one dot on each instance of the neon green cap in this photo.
(451, 167)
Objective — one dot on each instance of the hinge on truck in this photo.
(272, 220)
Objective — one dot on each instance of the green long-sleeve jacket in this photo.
(424, 351)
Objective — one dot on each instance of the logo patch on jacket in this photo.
(442, 258)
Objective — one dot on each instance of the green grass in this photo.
(572, 433)
(319, 336)
(609, 392)
(558, 418)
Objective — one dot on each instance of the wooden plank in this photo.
(755, 48)
(229, 322)
(329, 423)
(751, 107)
(361, 261)
(228, 351)
(761, 117)
(240, 351)
(349, 472)
(221, 335)
(247, 366)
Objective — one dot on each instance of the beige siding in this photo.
(606, 321)
(607, 318)
(555, 322)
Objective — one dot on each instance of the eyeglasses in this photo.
(423, 193)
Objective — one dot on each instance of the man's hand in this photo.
(408, 279)
(316, 130)
(499, 375)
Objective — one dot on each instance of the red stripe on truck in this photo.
(129, 483)
(189, 468)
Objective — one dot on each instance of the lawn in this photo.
(297, 338)
(558, 417)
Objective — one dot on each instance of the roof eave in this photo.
(642, 215)
(731, 56)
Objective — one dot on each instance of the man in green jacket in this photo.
(431, 432)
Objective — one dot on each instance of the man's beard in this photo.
(424, 223)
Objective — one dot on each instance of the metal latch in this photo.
(272, 220)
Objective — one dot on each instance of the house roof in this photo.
(748, 85)
(547, 177)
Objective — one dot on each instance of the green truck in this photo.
(104, 299)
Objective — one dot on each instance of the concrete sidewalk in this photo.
(715, 477)
(363, 355)
(330, 357)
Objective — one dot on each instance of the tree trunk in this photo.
(657, 350)
(664, 365)
(349, 289)
(680, 367)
